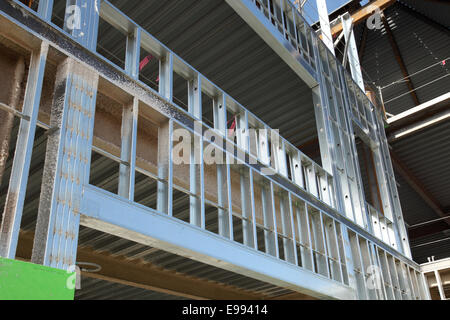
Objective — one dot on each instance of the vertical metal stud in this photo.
(196, 156)
(164, 190)
(270, 239)
(306, 252)
(222, 187)
(230, 201)
(406, 277)
(45, 9)
(333, 251)
(220, 124)
(243, 137)
(353, 56)
(311, 178)
(292, 230)
(12, 215)
(325, 195)
(324, 247)
(318, 242)
(202, 177)
(390, 292)
(166, 76)
(133, 53)
(81, 21)
(197, 178)
(379, 276)
(220, 114)
(194, 175)
(297, 171)
(274, 218)
(424, 286)
(195, 97)
(288, 244)
(253, 209)
(401, 281)
(93, 12)
(263, 148)
(128, 150)
(420, 287)
(246, 208)
(414, 293)
(415, 280)
(394, 277)
(280, 153)
(360, 282)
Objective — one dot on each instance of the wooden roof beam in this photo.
(399, 58)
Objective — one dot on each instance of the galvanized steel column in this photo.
(67, 165)
(328, 152)
(353, 56)
(12, 214)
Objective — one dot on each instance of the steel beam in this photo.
(111, 214)
(419, 126)
(390, 197)
(420, 111)
(435, 265)
(327, 37)
(353, 56)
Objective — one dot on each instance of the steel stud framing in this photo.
(311, 218)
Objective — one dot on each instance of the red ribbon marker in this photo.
(233, 127)
(145, 62)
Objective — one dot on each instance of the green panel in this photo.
(26, 281)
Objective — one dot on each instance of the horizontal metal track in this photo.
(114, 215)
